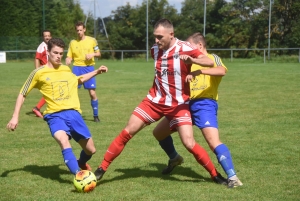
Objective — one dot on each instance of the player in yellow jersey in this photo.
(204, 83)
(59, 87)
(83, 50)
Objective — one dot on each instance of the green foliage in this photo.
(258, 120)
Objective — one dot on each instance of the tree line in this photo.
(229, 24)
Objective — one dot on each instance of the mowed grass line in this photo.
(258, 119)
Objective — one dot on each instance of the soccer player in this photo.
(204, 83)
(83, 50)
(59, 87)
(41, 59)
(168, 96)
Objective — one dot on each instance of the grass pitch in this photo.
(258, 118)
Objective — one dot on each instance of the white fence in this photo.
(146, 53)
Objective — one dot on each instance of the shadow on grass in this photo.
(31, 114)
(52, 172)
(130, 173)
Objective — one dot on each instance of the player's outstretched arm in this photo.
(87, 76)
(217, 71)
(201, 60)
(13, 123)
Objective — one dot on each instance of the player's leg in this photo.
(223, 155)
(88, 149)
(90, 85)
(199, 153)
(37, 108)
(183, 123)
(162, 133)
(116, 147)
(204, 113)
(81, 134)
(94, 104)
(70, 160)
(142, 116)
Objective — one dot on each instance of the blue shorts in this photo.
(80, 70)
(69, 121)
(204, 113)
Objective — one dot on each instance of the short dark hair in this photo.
(164, 23)
(55, 42)
(196, 38)
(79, 24)
(46, 30)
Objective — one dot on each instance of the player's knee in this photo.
(189, 144)
(155, 134)
(91, 151)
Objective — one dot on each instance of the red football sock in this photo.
(203, 159)
(41, 103)
(115, 149)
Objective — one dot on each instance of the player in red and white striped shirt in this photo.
(169, 95)
(41, 59)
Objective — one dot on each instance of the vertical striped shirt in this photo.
(169, 87)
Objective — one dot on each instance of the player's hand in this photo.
(102, 69)
(89, 56)
(68, 61)
(187, 59)
(189, 78)
(12, 124)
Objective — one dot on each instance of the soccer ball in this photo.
(85, 181)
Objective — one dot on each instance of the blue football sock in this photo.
(84, 157)
(224, 158)
(70, 160)
(168, 146)
(94, 104)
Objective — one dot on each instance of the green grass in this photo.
(258, 118)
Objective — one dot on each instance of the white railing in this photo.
(265, 51)
(246, 49)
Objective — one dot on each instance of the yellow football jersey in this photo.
(206, 86)
(79, 48)
(59, 87)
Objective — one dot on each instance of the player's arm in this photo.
(91, 55)
(68, 61)
(37, 63)
(201, 60)
(69, 57)
(97, 54)
(87, 76)
(217, 71)
(13, 123)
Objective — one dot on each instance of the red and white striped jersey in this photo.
(169, 87)
(41, 53)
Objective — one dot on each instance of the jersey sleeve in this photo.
(195, 53)
(218, 61)
(30, 83)
(95, 46)
(41, 53)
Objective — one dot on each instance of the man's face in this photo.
(163, 37)
(80, 31)
(46, 36)
(55, 55)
